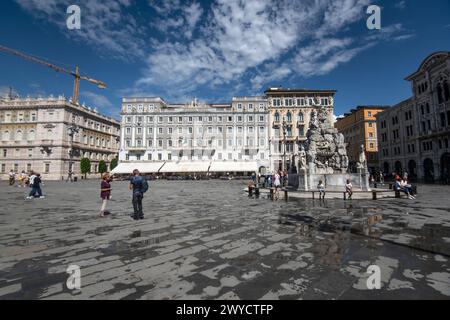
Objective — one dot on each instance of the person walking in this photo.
(349, 189)
(105, 193)
(12, 178)
(139, 185)
(35, 183)
(277, 184)
(23, 179)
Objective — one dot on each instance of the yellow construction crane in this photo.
(76, 73)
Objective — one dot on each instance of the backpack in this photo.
(144, 185)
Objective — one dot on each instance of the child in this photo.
(349, 189)
(321, 188)
(105, 193)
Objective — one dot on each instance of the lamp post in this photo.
(284, 126)
(72, 130)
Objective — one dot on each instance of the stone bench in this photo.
(344, 193)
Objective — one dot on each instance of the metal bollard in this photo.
(271, 193)
(286, 195)
(257, 192)
(345, 195)
(390, 186)
(374, 195)
(250, 191)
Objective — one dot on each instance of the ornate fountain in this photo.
(324, 157)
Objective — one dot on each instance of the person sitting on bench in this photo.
(349, 189)
(321, 188)
(404, 183)
(398, 187)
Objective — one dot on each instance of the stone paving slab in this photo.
(209, 240)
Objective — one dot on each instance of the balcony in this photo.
(276, 124)
(137, 149)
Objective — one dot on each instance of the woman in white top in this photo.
(277, 184)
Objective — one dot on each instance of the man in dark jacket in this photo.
(139, 186)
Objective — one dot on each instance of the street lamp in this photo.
(72, 130)
(284, 126)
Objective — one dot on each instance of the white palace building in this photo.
(250, 134)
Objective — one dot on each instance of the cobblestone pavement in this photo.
(209, 240)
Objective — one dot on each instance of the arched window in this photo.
(31, 135)
(86, 154)
(446, 91)
(6, 136)
(439, 93)
(277, 117)
(301, 117)
(19, 135)
(289, 116)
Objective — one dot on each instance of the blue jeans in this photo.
(137, 204)
(34, 190)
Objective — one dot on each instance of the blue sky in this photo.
(214, 50)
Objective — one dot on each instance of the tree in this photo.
(102, 167)
(85, 166)
(113, 164)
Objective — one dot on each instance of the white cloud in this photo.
(179, 19)
(96, 100)
(401, 4)
(104, 24)
(230, 42)
(267, 40)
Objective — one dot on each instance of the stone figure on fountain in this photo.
(362, 163)
(325, 146)
(302, 158)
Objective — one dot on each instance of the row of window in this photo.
(190, 130)
(250, 107)
(104, 143)
(18, 135)
(192, 156)
(190, 119)
(300, 117)
(190, 142)
(411, 147)
(27, 168)
(18, 117)
(289, 102)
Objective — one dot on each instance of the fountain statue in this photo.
(324, 156)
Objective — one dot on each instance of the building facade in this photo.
(289, 116)
(397, 136)
(153, 130)
(247, 130)
(51, 135)
(415, 134)
(359, 128)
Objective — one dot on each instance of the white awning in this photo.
(234, 166)
(143, 167)
(184, 166)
